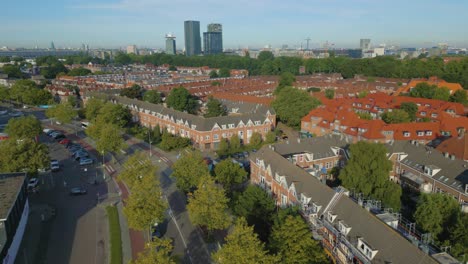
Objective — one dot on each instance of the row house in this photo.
(205, 133)
(428, 170)
(348, 232)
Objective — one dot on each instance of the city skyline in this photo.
(118, 23)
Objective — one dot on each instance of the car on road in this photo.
(86, 161)
(59, 137)
(54, 165)
(65, 141)
(81, 155)
(3, 112)
(78, 191)
(79, 152)
(32, 183)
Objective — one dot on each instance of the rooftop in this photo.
(10, 184)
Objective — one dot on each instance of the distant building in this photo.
(213, 39)
(170, 44)
(132, 49)
(364, 44)
(52, 46)
(14, 211)
(192, 38)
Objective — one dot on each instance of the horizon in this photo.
(119, 23)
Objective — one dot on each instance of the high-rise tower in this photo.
(192, 38)
(365, 44)
(170, 44)
(213, 39)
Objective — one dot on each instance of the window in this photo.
(224, 135)
(406, 134)
(231, 125)
(434, 115)
(266, 129)
(428, 133)
(257, 123)
(420, 133)
(423, 113)
(215, 136)
(207, 137)
(223, 126)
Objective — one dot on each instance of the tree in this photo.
(256, 140)
(459, 237)
(156, 252)
(122, 58)
(435, 213)
(4, 93)
(137, 165)
(292, 104)
(23, 127)
(224, 72)
(270, 137)
(79, 72)
(243, 247)
(229, 173)
(180, 99)
(364, 115)
(145, 205)
(423, 90)
(93, 106)
(172, 68)
(188, 170)
(367, 172)
(292, 241)
(457, 97)
(109, 138)
(20, 88)
(223, 147)
(286, 79)
(410, 108)
(25, 155)
(13, 71)
(214, 108)
(396, 116)
(265, 55)
(152, 96)
(63, 113)
(329, 93)
(441, 93)
(362, 94)
(171, 142)
(235, 144)
(207, 206)
(116, 114)
(134, 92)
(72, 100)
(257, 208)
(213, 74)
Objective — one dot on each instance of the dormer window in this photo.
(428, 133)
(420, 133)
(366, 249)
(434, 115)
(343, 228)
(331, 217)
(423, 113)
(406, 134)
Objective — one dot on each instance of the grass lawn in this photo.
(114, 233)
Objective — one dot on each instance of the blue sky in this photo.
(246, 23)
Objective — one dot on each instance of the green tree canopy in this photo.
(122, 58)
(145, 205)
(256, 140)
(224, 72)
(292, 241)
(214, 108)
(235, 144)
(79, 72)
(367, 172)
(213, 74)
(441, 93)
(72, 100)
(292, 104)
(257, 207)
(134, 92)
(265, 55)
(243, 247)
(23, 127)
(25, 155)
(410, 108)
(4, 93)
(435, 213)
(188, 170)
(93, 106)
(152, 96)
(329, 93)
(156, 252)
(223, 147)
(229, 173)
(459, 237)
(270, 137)
(172, 142)
(63, 113)
(13, 71)
(109, 137)
(286, 79)
(207, 206)
(180, 99)
(116, 114)
(135, 167)
(459, 97)
(396, 116)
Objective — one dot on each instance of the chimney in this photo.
(298, 140)
(446, 154)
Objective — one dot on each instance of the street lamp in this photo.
(149, 140)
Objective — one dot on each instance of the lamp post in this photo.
(149, 141)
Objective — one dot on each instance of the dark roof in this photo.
(391, 246)
(201, 123)
(453, 173)
(10, 185)
(320, 146)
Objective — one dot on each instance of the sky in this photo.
(246, 23)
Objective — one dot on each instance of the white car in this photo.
(32, 183)
(54, 165)
(86, 161)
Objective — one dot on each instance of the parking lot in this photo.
(76, 231)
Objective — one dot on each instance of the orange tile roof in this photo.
(456, 145)
(243, 98)
(453, 87)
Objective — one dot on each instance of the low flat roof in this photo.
(10, 184)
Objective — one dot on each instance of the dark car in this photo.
(78, 191)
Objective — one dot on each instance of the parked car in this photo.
(60, 137)
(81, 156)
(50, 133)
(15, 114)
(155, 232)
(3, 112)
(79, 152)
(78, 191)
(32, 183)
(86, 161)
(64, 141)
(54, 165)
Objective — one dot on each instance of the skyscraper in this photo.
(192, 38)
(213, 39)
(52, 46)
(170, 44)
(365, 44)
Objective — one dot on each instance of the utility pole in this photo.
(307, 39)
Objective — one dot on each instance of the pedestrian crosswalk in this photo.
(109, 168)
